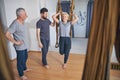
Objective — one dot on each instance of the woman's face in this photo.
(65, 17)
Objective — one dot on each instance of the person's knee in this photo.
(61, 51)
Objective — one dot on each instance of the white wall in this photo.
(32, 7)
(113, 58)
(33, 10)
(4, 23)
(2, 13)
(80, 26)
(51, 5)
(10, 8)
(34, 18)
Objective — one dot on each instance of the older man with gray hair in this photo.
(18, 29)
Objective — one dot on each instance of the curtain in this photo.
(117, 41)
(89, 16)
(6, 72)
(101, 40)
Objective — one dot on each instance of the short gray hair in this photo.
(18, 11)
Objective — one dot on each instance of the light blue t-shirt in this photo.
(64, 29)
(19, 32)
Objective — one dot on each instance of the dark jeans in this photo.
(45, 44)
(22, 56)
(64, 47)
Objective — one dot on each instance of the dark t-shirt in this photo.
(44, 28)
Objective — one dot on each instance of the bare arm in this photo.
(75, 19)
(55, 17)
(53, 24)
(10, 38)
(38, 37)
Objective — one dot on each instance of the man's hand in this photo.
(40, 45)
(18, 43)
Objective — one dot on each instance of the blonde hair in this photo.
(65, 13)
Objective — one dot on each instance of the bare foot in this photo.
(64, 66)
(46, 66)
(24, 78)
(27, 70)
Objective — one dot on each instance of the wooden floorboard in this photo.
(56, 72)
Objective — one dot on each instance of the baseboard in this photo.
(115, 66)
(33, 51)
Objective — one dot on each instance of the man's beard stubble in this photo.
(44, 17)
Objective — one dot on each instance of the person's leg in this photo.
(20, 63)
(47, 45)
(44, 51)
(26, 57)
(67, 50)
(25, 60)
(61, 45)
(66, 55)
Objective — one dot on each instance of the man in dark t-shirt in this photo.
(43, 34)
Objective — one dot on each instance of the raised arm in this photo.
(75, 19)
(55, 17)
(53, 24)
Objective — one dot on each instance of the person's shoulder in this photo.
(13, 26)
(14, 23)
(48, 20)
(39, 21)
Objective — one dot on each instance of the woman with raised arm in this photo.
(64, 34)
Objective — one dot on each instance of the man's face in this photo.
(44, 15)
(23, 15)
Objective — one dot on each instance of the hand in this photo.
(73, 14)
(19, 43)
(40, 45)
(59, 13)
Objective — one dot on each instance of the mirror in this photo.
(80, 35)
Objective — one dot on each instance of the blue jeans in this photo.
(22, 56)
(45, 44)
(64, 47)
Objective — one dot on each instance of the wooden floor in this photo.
(56, 72)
